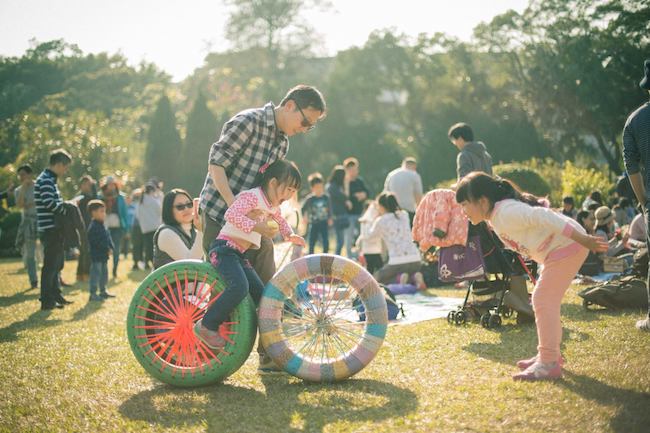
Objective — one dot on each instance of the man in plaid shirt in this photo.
(251, 140)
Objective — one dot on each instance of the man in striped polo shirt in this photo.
(48, 203)
(636, 151)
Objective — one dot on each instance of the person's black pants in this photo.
(646, 214)
(147, 247)
(136, 242)
(53, 259)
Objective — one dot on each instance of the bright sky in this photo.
(176, 35)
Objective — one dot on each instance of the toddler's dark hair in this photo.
(388, 201)
(286, 172)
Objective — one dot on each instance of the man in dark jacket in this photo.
(636, 155)
(473, 155)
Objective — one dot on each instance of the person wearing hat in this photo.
(636, 151)
(606, 229)
(116, 213)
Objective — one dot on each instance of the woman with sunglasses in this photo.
(180, 236)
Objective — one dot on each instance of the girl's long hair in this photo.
(478, 184)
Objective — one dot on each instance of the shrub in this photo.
(580, 182)
(8, 231)
(525, 178)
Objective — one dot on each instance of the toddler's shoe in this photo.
(525, 363)
(106, 295)
(95, 297)
(419, 281)
(540, 371)
(403, 278)
(267, 366)
(212, 339)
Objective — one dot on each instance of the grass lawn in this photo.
(72, 370)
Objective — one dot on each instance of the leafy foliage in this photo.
(525, 178)
(580, 182)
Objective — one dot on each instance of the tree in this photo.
(201, 133)
(275, 26)
(162, 154)
(576, 64)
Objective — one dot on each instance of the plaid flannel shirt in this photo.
(247, 142)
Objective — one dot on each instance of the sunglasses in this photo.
(187, 205)
(305, 122)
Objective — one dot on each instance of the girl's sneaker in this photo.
(419, 281)
(540, 371)
(525, 363)
(212, 339)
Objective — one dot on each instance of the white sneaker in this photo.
(403, 278)
(643, 325)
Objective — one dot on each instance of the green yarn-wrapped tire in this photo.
(309, 318)
(162, 314)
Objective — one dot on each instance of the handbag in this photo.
(460, 263)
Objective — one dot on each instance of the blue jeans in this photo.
(240, 278)
(29, 259)
(116, 236)
(351, 234)
(98, 277)
(319, 229)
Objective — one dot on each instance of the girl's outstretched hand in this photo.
(596, 244)
(297, 240)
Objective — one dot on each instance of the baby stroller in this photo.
(501, 291)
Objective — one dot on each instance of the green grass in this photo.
(72, 370)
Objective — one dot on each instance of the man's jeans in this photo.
(53, 260)
(29, 259)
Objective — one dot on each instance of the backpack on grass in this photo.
(626, 291)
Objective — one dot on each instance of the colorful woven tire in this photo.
(309, 325)
(159, 326)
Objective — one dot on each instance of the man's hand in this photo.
(297, 240)
(196, 219)
(361, 196)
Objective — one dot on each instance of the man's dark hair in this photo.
(93, 205)
(315, 179)
(461, 130)
(306, 97)
(26, 168)
(60, 156)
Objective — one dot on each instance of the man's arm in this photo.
(636, 180)
(220, 181)
(632, 158)
(223, 153)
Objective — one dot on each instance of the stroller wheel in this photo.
(460, 317)
(485, 320)
(450, 317)
(494, 321)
